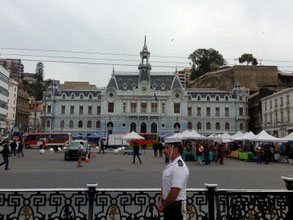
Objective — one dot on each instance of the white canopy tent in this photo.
(213, 137)
(263, 136)
(248, 136)
(289, 137)
(226, 138)
(132, 136)
(238, 136)
(173, 138)
(189, 135)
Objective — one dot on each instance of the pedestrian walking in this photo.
(161, 148)
(174, 182)
(206, 150)
(199, 150)
(222, 154)
(155, 148)
(13, 146)
(5, 155)
(80, 151)
(102, 147)
(136, 152)
(20, 148)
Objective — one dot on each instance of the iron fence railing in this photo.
(92, 203)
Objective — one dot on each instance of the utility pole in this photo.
(53, 107)
(44, 110)
(35, 119)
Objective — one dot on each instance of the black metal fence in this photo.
(114, 204)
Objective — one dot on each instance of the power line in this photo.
(86, 52)
(96, 63)
(114, 54)
(87, 58)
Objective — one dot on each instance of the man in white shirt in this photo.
(174, 180)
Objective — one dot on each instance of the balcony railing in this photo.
(93, 203)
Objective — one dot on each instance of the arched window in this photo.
(226, 98)
(177, 127)
(80, 124)
(61, 124)
(63, 96)
(154, 128)
(89, 124)
(110, 127)
(217, 98)
(198, 126)
(48, 124)
(241, 126)
(208, 98)
(72, 96)
(143, 127)
(189, 125)
(227, 126)
(132, 127)
(218, 126)
(81, 96)
(98, 124)
(198, 98)
(208, 126)
(71, 124)
(90, 96)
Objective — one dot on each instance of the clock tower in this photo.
(144, 68)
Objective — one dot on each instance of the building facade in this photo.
(12, 99)
(277, 113)
(22, 110)
(213, 111)
(72, 107)
(4, 84)
(13, 66)
(144, 101)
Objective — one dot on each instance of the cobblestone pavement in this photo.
(110, 170)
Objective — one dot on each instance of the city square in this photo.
(110, 170)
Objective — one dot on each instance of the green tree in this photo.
(36, 89)
(248, 58)
(205, 60)
(40, 71)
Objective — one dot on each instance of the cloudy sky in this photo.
(84, 39)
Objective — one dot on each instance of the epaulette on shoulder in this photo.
(180, 163)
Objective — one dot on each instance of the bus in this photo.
(43, 140)
(149, 139)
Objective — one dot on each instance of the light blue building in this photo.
(144, 101)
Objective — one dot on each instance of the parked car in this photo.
(71, 152)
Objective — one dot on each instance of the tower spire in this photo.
(144, 67)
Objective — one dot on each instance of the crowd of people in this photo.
(16, 148)
(262, 152)
(202, 150)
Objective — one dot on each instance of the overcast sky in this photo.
(173, 28)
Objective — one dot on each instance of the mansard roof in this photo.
(158, 81)
(69, 85)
